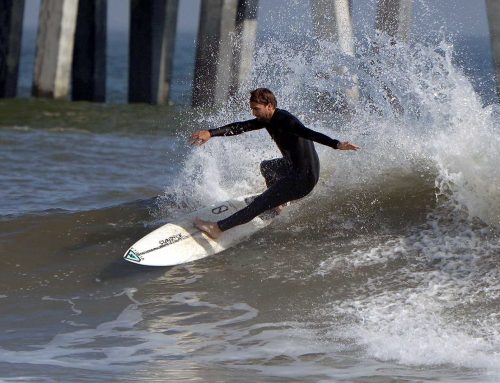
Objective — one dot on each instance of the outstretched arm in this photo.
(202, 136)
(300, 130)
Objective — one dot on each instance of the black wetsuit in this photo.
(288, 178)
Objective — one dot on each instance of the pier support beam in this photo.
(151, 45)
(54, 51)
(244, 47)
(214, 52)
(11, 27)
(332, 21)
(493, 9)
(168, 48)
(394, 18)
(89, 55)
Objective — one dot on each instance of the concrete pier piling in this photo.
(171, 12)
(151, 44)
(54, 51)
(332, 21)
(493, 9)
(394, 18)
(11, 26)
(89, 55)
(71, 47)
(244, 46)
(214, 52)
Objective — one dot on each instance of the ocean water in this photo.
(387, 272)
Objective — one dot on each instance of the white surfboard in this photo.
(180, 242)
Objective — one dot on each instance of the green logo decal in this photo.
(132, 256)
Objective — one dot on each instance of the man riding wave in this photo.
(288, 178)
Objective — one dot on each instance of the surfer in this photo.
(289, 178)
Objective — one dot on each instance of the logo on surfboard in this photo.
(132, 256)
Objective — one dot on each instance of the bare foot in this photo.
(279, 209)
(209, 228)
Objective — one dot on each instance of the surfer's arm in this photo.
(236, 128)
(300, 130)
(199, 138)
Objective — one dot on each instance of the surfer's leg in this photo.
(284, 190)
(273, 170)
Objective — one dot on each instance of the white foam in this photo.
(441, 310)
(414, 332)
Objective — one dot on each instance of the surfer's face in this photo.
(262, 112)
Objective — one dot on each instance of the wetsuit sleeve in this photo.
(300, 130)
(236, 128)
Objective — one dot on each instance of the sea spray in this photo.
(439, 125)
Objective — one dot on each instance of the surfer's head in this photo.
(263, 103)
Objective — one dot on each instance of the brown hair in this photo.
(263, 96)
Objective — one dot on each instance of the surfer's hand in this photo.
(347, 146)
(199, 138)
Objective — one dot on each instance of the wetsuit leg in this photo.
(273, 170)
(284, 190)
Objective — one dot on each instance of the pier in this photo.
(11, 24)
(151, 49)
(332, 21)
(89, 56)
(394, 18)
(70, 58)
(493, 10)
(54, 48)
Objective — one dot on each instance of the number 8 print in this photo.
(220, 209)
